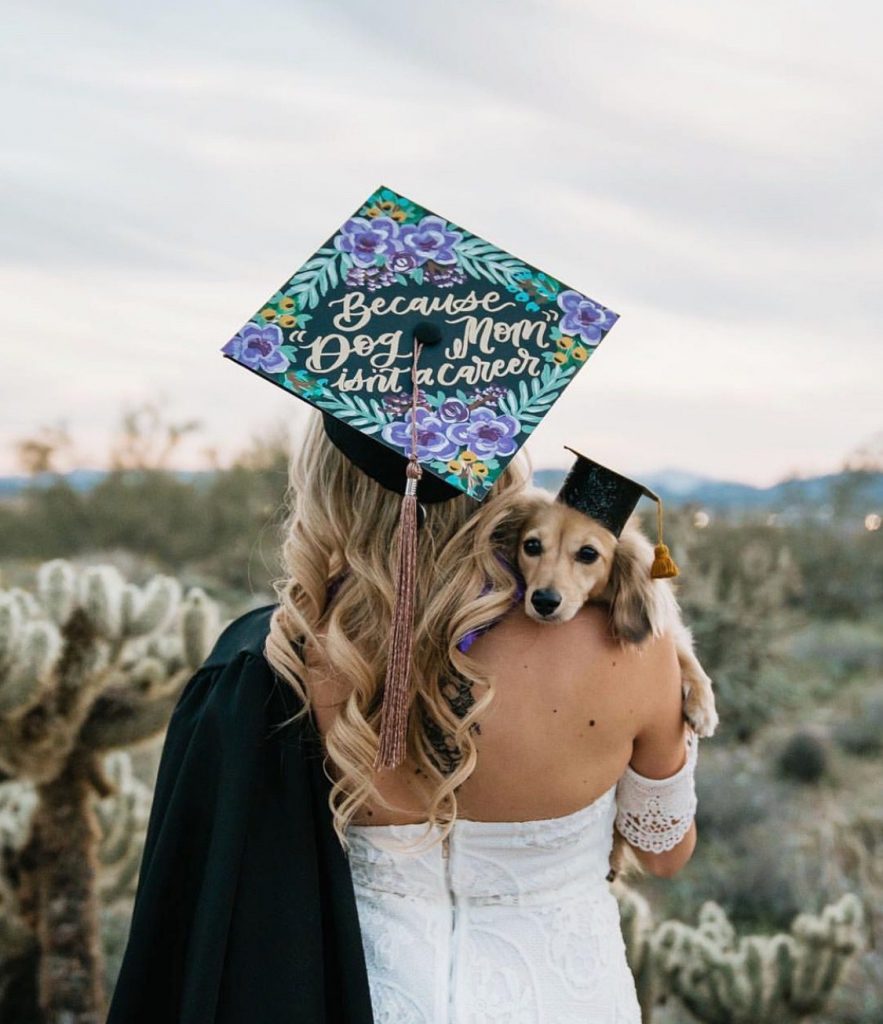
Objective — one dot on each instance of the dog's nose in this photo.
(545, 600)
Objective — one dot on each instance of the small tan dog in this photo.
(567, 559)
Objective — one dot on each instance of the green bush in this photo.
(729, 800)
(803, 758)
(840, 648)
(738, 587)
(862, 735)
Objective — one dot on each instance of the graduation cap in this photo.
(610, 498)
(432, 355)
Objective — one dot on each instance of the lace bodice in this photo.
(506, 921)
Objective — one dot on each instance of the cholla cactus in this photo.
(122, 818)
(637, 930)
(90, 664)
(758, 978)
(17, 939)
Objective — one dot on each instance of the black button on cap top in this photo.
(427, 333)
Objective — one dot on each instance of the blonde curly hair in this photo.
(341, 530)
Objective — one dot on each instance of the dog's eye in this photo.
(586, 554)
(532, 546)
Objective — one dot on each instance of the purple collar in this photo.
(466, 641)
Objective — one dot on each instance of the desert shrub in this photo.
(862, 734)
(840, 649)
(730, 800)
(803, 758)
(749, 874)
(736, 596)
(759, 889)
(842, 572)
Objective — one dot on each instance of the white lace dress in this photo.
(509, 922)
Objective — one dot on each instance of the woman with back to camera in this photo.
(391, 796)
(498, 909)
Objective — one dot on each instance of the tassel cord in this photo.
(397, 686)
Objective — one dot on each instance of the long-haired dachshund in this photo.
(567, 558)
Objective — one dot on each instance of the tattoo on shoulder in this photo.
(457, 691)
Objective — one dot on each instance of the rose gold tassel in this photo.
(397, 687)
(396, 690)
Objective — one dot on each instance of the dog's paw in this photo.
(700, 710)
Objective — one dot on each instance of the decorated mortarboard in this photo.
(610, 498)
(432, 355)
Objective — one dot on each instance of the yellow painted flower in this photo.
(386, 208)
(468, 456)
(559, 358)
(287, 320)
(268, 313)
(580, 354)
(565, 342)
(479, 469)
(454, 466)
(287, 303)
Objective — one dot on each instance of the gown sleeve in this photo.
(244, 911)
(185, 895)
(655, 814)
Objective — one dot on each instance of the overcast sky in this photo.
(711, 171)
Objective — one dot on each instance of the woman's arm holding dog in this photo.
(660, 752)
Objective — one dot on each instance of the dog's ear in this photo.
(630, 589)
(522, 510)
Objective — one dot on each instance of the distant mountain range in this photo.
(674, 486)
(678, 487)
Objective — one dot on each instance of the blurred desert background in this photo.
(709, 172)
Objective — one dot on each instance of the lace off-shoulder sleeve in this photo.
(655, 814)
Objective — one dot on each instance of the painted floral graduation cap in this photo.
(610, 498)
(432, 355)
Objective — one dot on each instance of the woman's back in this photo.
(512, 917)
(571, 709)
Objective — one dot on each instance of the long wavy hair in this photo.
(336, 597)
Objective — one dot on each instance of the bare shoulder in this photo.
(659, 745)
(586, 634)
(645, 677)
(651, 665)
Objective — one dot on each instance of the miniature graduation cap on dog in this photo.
(610, 498)
(432, 355)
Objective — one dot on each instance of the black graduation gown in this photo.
(245, 909)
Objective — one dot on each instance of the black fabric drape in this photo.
(245, 909)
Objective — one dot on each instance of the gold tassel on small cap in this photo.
(396, 688)
(663, 564)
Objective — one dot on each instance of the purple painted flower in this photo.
(584, 318)
(443, 277)
(452, 410)
(486, 433)
(432, 441)
(399, 404)
(401, 262)
(431, 239)
(366, 239)
(257, 347)
(371, 278)
(488, 395)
